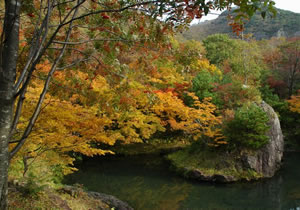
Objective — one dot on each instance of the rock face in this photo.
(111, 201)
(267, 160)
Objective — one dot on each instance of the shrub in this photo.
(248, 128)
(32, 186)
(203, 86)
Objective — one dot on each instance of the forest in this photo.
(285, 23)
(86, 79)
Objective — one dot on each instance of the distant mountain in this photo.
(286, 24)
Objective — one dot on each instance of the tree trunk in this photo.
(8, 61)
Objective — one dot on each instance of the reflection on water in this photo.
(146, 183)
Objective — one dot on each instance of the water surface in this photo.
(146, 183)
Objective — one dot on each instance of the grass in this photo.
(51, 200)
(40, 188)
(210, 162)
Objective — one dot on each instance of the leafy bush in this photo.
(32, 186)
(248, 128)
(203, 86)
(271, 98)
(219, 47)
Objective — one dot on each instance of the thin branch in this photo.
(62, 3)
(43, 50)
(44, 107)
(73, 64)
(91, 40)
(110, 10)
(18, 112)
(37, 46)
(43, 94)
(23, 92)
(86, 54)
(98, 60)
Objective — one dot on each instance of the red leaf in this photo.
(105, 16)
(30, 15)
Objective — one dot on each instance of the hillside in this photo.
(286, 23)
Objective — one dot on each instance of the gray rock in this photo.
(267, 160)
(199, 175)
(111, 201)
(248, 164)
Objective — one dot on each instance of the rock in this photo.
(110, 200)
(199, 175)
(71, 190)
(59, 202)
(240, 165)
(281, 33)
(267, 160)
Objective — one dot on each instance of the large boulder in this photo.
(234, 166)
(266, 161)
(110, 200)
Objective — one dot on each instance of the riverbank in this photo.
(64, 198)
(211, 166)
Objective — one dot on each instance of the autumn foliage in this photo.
(127, 98)
(125, 78)
(295, 103)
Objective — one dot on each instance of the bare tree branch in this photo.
(73, 64)
(92, 40)
(111, 10)
(43, 50)
(43, 94)
(36, 48)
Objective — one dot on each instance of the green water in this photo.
(146, 183)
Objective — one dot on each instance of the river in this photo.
(145, 182)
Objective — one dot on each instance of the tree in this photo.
(283, 60)
(295, 103)
(247, 62)
(219, 48)
(248, 127)
(50, 26)
(290, 63)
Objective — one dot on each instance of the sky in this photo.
(291, 5)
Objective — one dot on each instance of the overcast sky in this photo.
(291, 5)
